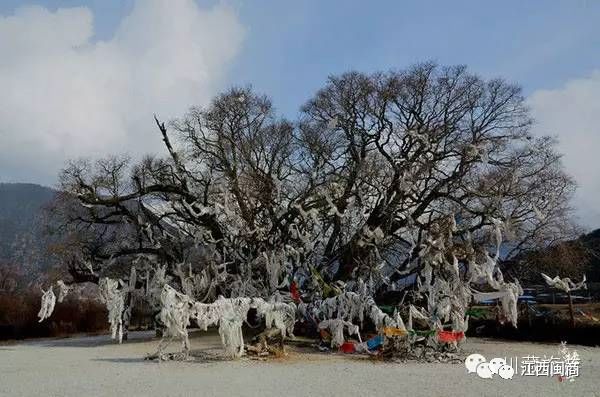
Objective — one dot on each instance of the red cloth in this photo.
(450, 336)
(348, 347)
(294, 292)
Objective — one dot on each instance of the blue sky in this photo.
(522, 41)
(285, 49)
(291, 47)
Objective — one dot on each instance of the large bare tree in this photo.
(382, 176)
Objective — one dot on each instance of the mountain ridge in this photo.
(22, 237)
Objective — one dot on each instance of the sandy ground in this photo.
(95, 366)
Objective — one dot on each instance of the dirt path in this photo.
(95, 366)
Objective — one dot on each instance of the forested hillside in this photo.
(22, 237)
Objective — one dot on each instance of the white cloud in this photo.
(65, 95)
(572, 113)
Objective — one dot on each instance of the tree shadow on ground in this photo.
(95, 341)
(122, 360)
(200, 356)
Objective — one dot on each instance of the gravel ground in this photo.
(95, 366)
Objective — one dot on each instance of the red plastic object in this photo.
(347, 347)
(450, 336)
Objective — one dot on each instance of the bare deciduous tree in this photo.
(379, 172)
